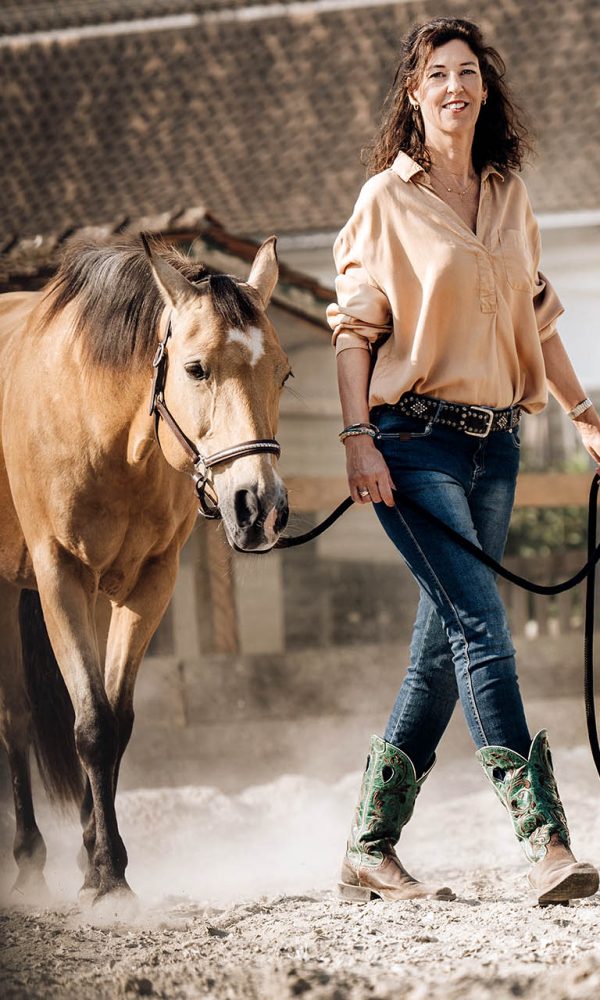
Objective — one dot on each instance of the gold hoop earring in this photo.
(484, 101)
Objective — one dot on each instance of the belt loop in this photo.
(436, 416)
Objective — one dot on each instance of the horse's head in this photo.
(225, 373)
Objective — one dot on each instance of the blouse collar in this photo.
(407, 168)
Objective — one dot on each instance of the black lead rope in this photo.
(588, 636)
(290, 543)
(587, 572)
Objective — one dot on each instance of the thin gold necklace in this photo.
(460, 194)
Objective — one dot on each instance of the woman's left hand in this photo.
(589, 430)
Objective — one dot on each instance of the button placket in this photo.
(487, 283)
(487, 279)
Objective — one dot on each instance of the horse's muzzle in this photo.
(257, 521)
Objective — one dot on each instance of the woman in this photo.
(445, 330)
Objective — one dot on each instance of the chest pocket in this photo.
(517, 259)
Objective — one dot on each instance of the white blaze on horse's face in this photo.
(252, 497)
(224, 378)
(252, 339)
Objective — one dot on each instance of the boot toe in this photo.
(576, 881)
(389, 880)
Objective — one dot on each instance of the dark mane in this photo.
(119, 305)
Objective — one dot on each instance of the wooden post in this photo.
(222, 591)
(184, 605)
(260, 605)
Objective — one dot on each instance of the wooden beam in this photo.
(310, 493)
(552, 489)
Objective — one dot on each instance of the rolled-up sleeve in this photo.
(546, 303)
(362, 314)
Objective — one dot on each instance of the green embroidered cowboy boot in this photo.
(387, 798)
(527, 789)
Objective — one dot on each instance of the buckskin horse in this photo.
(94, 498)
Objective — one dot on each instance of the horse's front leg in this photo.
(131, 628)
(68, 594)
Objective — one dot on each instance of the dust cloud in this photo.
(236, 893)
(236, 899)
(199, 843)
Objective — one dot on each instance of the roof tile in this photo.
(260, 120)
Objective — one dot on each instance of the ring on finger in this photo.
(363, 493)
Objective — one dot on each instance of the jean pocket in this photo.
(394, 426)
(517, 259)
(515, 438)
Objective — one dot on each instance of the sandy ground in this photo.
(236, 899)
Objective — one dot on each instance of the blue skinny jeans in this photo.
(461, 644)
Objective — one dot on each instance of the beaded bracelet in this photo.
(581, 407)
(353, 430)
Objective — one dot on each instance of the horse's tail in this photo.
(52, 712)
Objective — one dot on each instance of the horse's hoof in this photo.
(86, 895)
(31, 889)
(119, 904)
(90, 888)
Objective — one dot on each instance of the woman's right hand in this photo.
(367, 471)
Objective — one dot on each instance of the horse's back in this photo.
(15, 311)
(16, 305)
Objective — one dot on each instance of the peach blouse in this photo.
(448, 312)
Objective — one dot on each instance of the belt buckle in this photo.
(486, 430)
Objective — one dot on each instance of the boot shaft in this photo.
(528, 790)
(387, 799)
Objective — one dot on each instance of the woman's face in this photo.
(451, 90)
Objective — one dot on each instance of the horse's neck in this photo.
(121, 418)
(106, 409)
(142, 444)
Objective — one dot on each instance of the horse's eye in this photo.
(196, 371)
(290, 374)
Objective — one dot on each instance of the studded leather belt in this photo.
(479, 421)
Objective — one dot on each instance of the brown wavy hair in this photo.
(502, 138)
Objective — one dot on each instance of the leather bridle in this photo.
(203, 464)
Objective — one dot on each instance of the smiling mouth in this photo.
(456, 105)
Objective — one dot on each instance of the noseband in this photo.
(203, 464)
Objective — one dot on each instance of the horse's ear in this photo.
(265, 270)
(174, 288)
